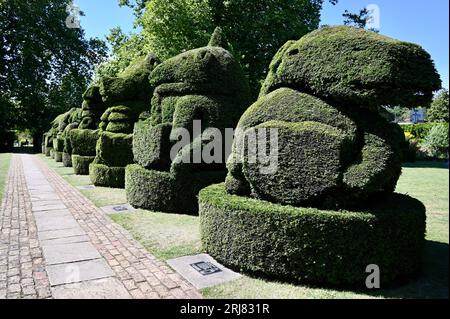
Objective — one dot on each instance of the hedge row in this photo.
(309, 245)
(83, 142)
(106, 176)
(58, 156)
(67, 159)
(81, 164)
(163, 191)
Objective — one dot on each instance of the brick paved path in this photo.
(56, 244)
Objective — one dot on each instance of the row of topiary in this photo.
(328, 210)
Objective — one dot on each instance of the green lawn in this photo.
(100, 196)
(170, 235)
(5, 159)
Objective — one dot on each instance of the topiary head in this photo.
(355, 67)
(209, 69)
(132, 84)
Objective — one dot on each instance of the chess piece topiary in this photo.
(128, 95)
(81, 142)
(328, 210)
(205, 85)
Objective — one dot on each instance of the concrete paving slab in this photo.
(78, 271)
(107, 288)
(66, 240)
(56, 223)
(52, 213)
(46, 189)
(66, 253)
(202, 270)
(53, 234)
(45, 202)
(45, 196)
(49, 207)
(85, 187)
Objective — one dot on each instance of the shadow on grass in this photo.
(427, 164)
(432, 283)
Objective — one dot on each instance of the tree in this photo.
(359, 19)
(439, 109)
(44, 65)
(436, 142)
(256, 29)
(125, 50)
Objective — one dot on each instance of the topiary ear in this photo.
(218, 39)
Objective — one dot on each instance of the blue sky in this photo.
(425, 22)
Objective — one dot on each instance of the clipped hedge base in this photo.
(48, 151)
(67, 159)
(309, 245)
(162, 191)
(102, 175)
(58, 156)
(81, 164)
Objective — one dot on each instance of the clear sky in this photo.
(425, 22)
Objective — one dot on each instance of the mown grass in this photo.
(170, 235)
(165, 235)
(5, 159)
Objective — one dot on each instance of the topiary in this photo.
(336, 164)
(91, 110)
(311, 245)
(355, 67)
(205, 84)
(367, 156)
(81, 143)
(130, 94)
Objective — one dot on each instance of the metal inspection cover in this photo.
(206, 268)
(202, 270)
(120, 208)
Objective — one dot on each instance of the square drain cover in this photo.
(86, 187)
(120, 208)
(206, 268)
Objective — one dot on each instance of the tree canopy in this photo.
(44, 65)
(439, 109)
(254, 28)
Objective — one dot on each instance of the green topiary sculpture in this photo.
(81, 142)
(74, 120)
(328, 210)
(205, 84)
(47, 143)
(130, 94)
(59, 127)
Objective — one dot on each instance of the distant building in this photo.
(418, 115)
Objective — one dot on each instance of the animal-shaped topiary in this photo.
(73, 123)
(52, 134)
(81, 142)
(323, 94)
(47, 144)
(60, 125)
(204, 84)
(129, 95)
(335, 152)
